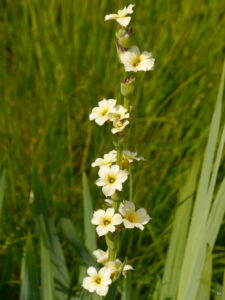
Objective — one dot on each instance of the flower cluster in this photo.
(107, 110)
(114, 168)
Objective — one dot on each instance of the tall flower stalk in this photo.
(117, 213)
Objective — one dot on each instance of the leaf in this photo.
(179, 234)
(47, 284)
(223, 287)
(195, 248)
(205, 281)
(89, 229)
(29, 280)
(2, 184)
(85, 295)
(60, 271)
(77, 243)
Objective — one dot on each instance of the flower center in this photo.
(106, 222)
(136, 62)
(111, 180)
(104, 111)
(131, 218)
(98, 280)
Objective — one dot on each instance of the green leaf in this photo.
(205, 281)
(179, 234)
(47, 284)
(2, 184)
(223, 288)
(89, 229)
(59, 267)
(85, 295)
(29, 280)
(77, 243)
(195, 248)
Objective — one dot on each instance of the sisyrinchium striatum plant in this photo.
(117, 213)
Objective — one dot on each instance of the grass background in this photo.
(57, 60)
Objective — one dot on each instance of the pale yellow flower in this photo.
(121, 16)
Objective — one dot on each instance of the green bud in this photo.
(127, 86)
(124, 38)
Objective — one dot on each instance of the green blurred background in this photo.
(57, 60)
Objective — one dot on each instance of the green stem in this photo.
(112, 241)
(126, 103)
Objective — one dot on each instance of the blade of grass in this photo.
(29, 279)
(2, 184)
(77, 243)
(189, 279)
(179, 233)
(205, 281)
(223, 287)
(89, 229)
(60, 271)
(47, 283)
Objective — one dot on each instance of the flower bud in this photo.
(127, 86)
(124, 37)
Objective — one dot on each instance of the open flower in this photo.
(133, 218)
(111, 179)
(106, 220)
(121, 16)
(97, 281)
(118, 113)
(115, 267)
(131, 156)
(119, 125)
(100, 113)
(108, 159)
(135, 61)
(102, 256)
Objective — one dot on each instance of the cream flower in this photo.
(115, 267)
(119, 126)
(97, 281)
(106, 220)
(133, 218)
(102, 256)
(111, 179)
(121, 16)
(108, 159)
(134, 61)
(118, 113)
(130, 156)
(100, 113)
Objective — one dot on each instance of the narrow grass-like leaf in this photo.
(60, 271)
(179, 234)
(223, 288)
(77, 243)
(205, 281)
(29, 279)
(85, 295)
(195, 249)
(2, 184)
(47, 284)
(216, 216)
(127, 292)
(89, 229)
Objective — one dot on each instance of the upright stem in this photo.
(126, 103)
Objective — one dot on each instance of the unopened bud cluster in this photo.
(114, 166)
